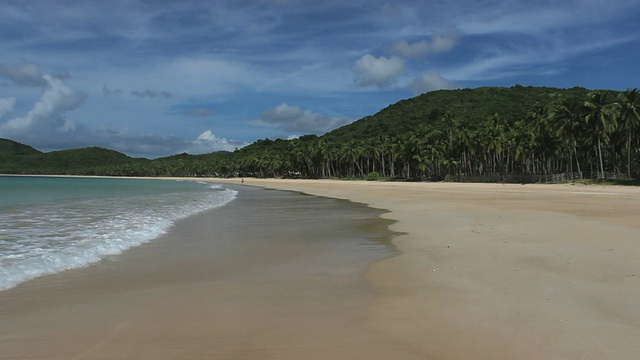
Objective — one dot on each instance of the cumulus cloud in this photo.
(47, 127)
(6, 105)
(23, 75)
(294, 119)
(208, 142)
(154, 146)
(47, 115)
(151, 94)
(430, 81)
(380, 71)
(199, 112)
(440, 42)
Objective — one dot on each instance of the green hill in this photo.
(82, 158)
(26, 160)
(493, 133)
(469, 106)
(12, 148)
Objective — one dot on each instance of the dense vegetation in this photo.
(472, 134)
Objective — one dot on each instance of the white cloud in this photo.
(47, 114)
(208, 142)
(430, 81)
(6, 105)
(380, 71)
(294, 119)
(440, 42)
(46, 127)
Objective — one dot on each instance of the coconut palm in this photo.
(566, 119)
(464, 142)
(324, 151)
(351, 153)
(410, 147)
(524, 141)
(494, 140)
(630, 119)
(538, 119)
(395, 154)
(600, 115)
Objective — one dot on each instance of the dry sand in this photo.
(492, 271)
(485, 272)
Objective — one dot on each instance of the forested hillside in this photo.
(449, 134)
(10, 148)
(484, 133)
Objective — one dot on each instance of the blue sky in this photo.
(154, 78)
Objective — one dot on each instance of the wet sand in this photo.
(271, 275)
(485, 271)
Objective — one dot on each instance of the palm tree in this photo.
(630, 119)
(567, 121)
(600, 116)
(546, 143)
(524, 142)
(379, 150)
(395, 152)
(463, 141)
(493, 138)
(316, 158)
(456, 144)
(410, 147)
(324, 150)
(351, 153)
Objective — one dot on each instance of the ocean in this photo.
(52, 224)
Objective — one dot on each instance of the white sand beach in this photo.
(485, 271)
(492, 271)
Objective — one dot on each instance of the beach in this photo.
(260, 277)
(493, 271)
(475, 271)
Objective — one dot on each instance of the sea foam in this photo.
(53, 237)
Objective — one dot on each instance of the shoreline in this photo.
(485, 271)
(261, 277)
(503, 271)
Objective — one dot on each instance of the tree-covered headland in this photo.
(484, 134)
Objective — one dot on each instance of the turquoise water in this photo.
(51, 224)
(16, 190)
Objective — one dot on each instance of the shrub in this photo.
(373, 176)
